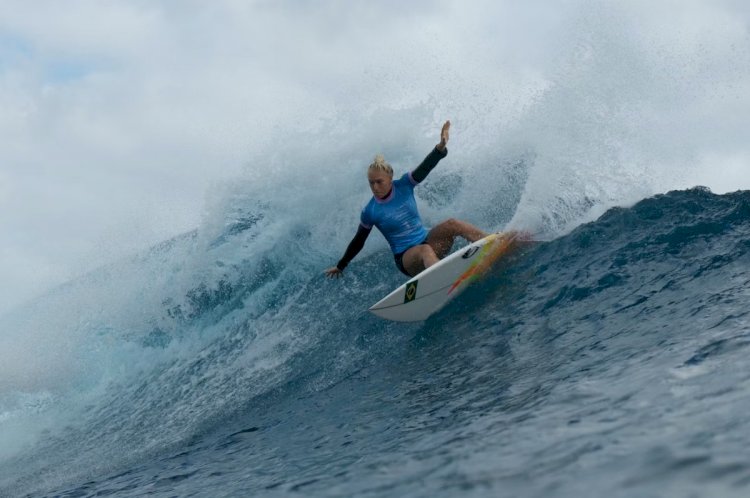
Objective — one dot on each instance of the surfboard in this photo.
(427, 293)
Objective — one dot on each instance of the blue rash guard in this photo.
(396, 216)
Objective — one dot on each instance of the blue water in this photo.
(611, 360)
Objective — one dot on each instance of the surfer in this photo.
(393, 210)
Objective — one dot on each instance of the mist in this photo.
(127, 123)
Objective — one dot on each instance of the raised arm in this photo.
(439, 152)
(356, 245)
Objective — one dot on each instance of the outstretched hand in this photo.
(444, 133)
(334, 272)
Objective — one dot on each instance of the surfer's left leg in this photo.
(442, 236)
(418, 258)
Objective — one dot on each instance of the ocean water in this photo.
(608, 358)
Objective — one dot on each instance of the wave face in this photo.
(611, 359)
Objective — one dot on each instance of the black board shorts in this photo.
(399, 258)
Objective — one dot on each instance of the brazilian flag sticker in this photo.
(411, 291)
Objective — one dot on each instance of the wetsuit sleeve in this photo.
(356, 245)
(421, 172)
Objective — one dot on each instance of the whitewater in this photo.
(608, 358)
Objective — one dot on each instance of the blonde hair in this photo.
(379, 164)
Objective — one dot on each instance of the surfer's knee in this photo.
(427, 250)
(449, 225)
(457, 227)
(421, 251)
(463, 228)
(428, 255)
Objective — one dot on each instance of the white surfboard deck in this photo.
(427, 293)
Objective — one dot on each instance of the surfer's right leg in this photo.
(441, 237)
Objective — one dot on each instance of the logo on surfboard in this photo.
(411, 291)
(471, 252)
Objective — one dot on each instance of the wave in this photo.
(142, 357)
